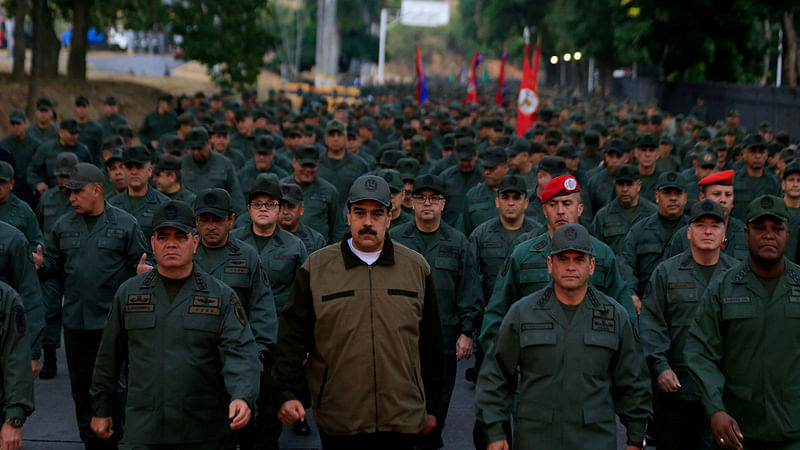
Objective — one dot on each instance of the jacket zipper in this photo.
(322, 387)
(419, 388)
(374, 359)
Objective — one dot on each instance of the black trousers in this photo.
(369, 441)
(81, 347)
(680, 424)
(264, 428)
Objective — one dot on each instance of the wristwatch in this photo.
(640, 444)
(470, 334)
(15, 422)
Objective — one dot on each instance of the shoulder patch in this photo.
(603, 319)
(238, 310)
(741, 274)
(19, 319)
(540, 245)
(139, 299)
(505, 266)
(199, 280)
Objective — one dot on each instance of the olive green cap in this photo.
(65, 161)
(767, 205)
(707, 158)
(706, 208)
(174, 214)
(408, 167)
(6, 171)
(213, 200)
(370, 187)
(418, 145)
(514, 183)
(571, 237)
(393, 178)
(627, 172)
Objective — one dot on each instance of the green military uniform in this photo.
(575, 375)
(734, 245)
(248, 174)
(217, 172)
(649, 187)
(22, 151)
(746, 188)
(600, 189)
(479, 206)
(91, 135)
(612, 222)
(181, 194)
(42, 134)
(206, 357)
(243, 143)
(53, 204)
(323, 213)
(141, 208)
(155, 125)
(311, 238)
(235, 157)
(16, 387)
(341, 173)
(109, 124)
(43, 164)
(456, 185)
(17, 213)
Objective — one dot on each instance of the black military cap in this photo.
(44, 104)
(448, 140)
(393, 179)
(335, 125)
(616, 145)
(366, 122)
(591, 139)
(671, 180)
(428, 181)
(168, 163)
(513, 183)
(17, 115)
(706, 208)
(567, 151)
(718, 144)
(309, 130)
(187, 119)
(292, 193)
(6, 171)
(243, 113)
(418, 145)
(554, 165)
(215, 201)
(136, 154)
(571, 237)
(552, 136)
(647, 140)
(765, 127)
(175, 145)
(665, 140)
(409, 132)
(264, 144)
(389, 158)
(755, 141)
(733, 113)
(707, 158)
(465, 148)
(267, 176)
(627, 172)
(464, 131)
(767, 205)
(116, 155)
(65, 161)
(307, 154)
(173, 214)
(792, 167)
(408, 167)
(110, 100)
(125, 131)
(704, 134)
(165, 98)
(773, 148)
(203, 105)
(518, 145)
(788, 155)
(69, 125)
(292, 131)
(494, 156)
(272, 189)
(113, 141)
(537, 147)
(197, 138)
(370, 187)
(81, 100)
(83, 174)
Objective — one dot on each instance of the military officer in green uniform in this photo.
(263, 161)
(159, 122)
(396, 186)
(460, 178)
(203, 168)
(336, 165)
(292, 211)
(669, 305)
(613, 221)
(16, 387)
(455, 278)
(600, 187)
(111, 119)
(646, 153)
(40, 175)
(480, 201)
(192, 359)
(790, 185)
(238, 265)
(525, 269)
(168, 179)
(704, 165)
(16, 212)
(115, 182)
(578, 358)
(21, 146)
(419, 151)
(549, 167)
(753, 179)
(92, 250)
(741, 350)
(521, 163)
(91, 134)
(43, 129)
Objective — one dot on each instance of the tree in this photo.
(79, 44)
(18, 69)
(790, 49)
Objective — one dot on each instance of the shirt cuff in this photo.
(494, 432)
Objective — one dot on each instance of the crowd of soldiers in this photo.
(233, 262)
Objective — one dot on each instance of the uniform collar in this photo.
(386, 257)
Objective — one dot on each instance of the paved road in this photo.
(140, 65)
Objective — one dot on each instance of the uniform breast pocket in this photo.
(599, 348)
(792, 309)
(140, 321)
(537, 343)
(474, 207)
(737, 309)
(201, 332)
(649, 248)
(537, 276)
(682, 310)
(447, 263)
(110, 244)
(614, 230)
(69, 241)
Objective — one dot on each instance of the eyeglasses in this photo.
(424, 198)
(267, 205)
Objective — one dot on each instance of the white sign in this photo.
(418, 13)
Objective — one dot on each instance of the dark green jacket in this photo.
(217, 172)
(144, 210)
(311, 238)
(613, 222)
(154, 125)
(42, 134)
(734, 245)
(183, 195)
(742, 352)
(669, 305)
(43, 164)
(22, 151)
(322, 210)
(53, 204)
(479, 206)
(455, 191)
(341, 173)
(109, 124)
(574, 377)
(17, 213)
(644, 247)
(248, 173)
(599, 190)
(186, 359)
(91, 135)
(16, 378)
(745, 189)
(243, 144)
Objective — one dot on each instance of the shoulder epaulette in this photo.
(741, 274)
(148, 280)
(201, 283)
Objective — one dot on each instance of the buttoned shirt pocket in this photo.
(735, 308)
(599, 349)
(111, 244)
(538, 349)
(69, 240)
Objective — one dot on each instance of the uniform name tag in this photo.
(140, 308)
(204, 310)
(241, 270)
(115, 233)
(491, 244)
(540, 245)
(613, 224)
(680, 285)
(735, 300)
(138, 298)
(237, 263)
(199, 300)
(449, 251)
(537, 326)
(286, 257)
(795, 291)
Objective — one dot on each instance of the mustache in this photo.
(367, 230)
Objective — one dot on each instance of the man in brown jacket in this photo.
(365, 310)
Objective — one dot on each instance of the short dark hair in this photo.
(168, 172)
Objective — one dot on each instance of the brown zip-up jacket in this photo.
(374, 336)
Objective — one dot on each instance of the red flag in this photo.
(472, 87)
(422, 90)
(528, 99)
(501, 81)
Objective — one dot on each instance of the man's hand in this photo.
(637, 304)
(498, 445)
(154, 145)
(291, 411)
(10, 437)
(430, 426)
(143, 267)
(668, 381)
(35, 368)
(239, 412)
(38, 257)
(463, 347)
(102, 427)
(725, 430)
(631, 447)
(41, 187)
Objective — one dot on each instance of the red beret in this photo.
(558, 186)
(725, 178)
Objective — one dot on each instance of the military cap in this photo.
(292, 131)
(671, 180)
(616, 145)
(389, 158)
(546, 114)
(554, 165)
(665, 140)
(81, 100)
(553, 136)
(69, 125)
(292, 193)
(704, 134)
(788, 155)
(243, 113)
(567, 151)
(773, 148)
(136, 154)
(755, 141)
(309, 130)
(591, 139)
(265, 187)
(175, 145)
(44, 104)
(384, 114)
(335, 125)
(656, 119)
(494, 156)
(706, 208)
(393, 178)
(83, 174)
(197, 138)
(215, 201)
(110, 100)
(307, 154)
(718, 144)
(408, 167)
(464, 131)
(186, 119)
(65, 161)
(647, 140)
(707, 158)
(370, 187)
(514, 183)
(428, 181)
(465, 148)
(173, 214)
(572, 237)
(418, 145)
(125, 131)
(261, 131)
(112, 142)
(165, 98)
(409, 132)
(264, 144)
(724, 178)
(627, 172)
(792, 167)
(518, 145)
(366, 122)
(6, 171)
(267, 176)
(17, 115)
(767, 205)
(426, 126)
(116, 155)
(448, 140)
(727, 131)
(537, 147)
(485, 122)
(168, 163)
(733, 113)
(764, 126)
(560, 186)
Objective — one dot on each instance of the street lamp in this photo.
(577, 56)
(567, 57)
(554, 60)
